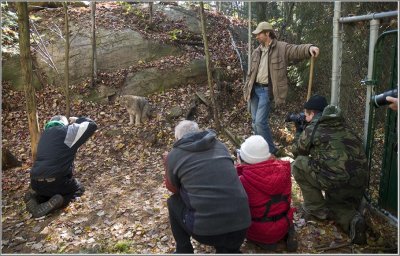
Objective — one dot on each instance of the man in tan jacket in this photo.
(268, 71)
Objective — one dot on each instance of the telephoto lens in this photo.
(380, 99)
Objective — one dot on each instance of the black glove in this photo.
(299, 127)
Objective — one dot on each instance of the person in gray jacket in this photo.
(209, 202)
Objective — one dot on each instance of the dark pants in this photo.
(224, 243)
(342, 201)
(67, 186)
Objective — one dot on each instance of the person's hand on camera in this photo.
(393, 102)
(299, 127)
(72, 119)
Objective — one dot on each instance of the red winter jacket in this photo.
(264, 181)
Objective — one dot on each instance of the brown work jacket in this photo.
(280, 54)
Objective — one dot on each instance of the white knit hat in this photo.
(254, 150)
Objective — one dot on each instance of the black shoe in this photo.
(31, 203)
(321, 214)
(55, 202)
(291, 240)
(268, 247)
(30, 194)
(358, 230)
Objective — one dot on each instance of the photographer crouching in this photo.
(52, 183)
(330, 158)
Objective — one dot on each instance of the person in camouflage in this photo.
(330, 158)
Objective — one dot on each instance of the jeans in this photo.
(259, 105)
(223, 243)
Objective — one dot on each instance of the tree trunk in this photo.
(151, 12)
(8, 160)
(261, 12)
(66, 70)
(288, 19)
(94, 57)
(208, 64)
(26, 66)
(249, 43)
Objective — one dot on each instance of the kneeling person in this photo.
(209, 202)
(52, 182)
(330, 158)
(268, 184)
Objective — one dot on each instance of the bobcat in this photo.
(137, 107)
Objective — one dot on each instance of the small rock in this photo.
(108, 223)
(36, 229)
(37, 246)
(19, 224)
(45, 231)
(20, 238)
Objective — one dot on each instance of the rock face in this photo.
(177, 13)
(152, 80)
(115, 50)
(124, 48)
(11, 71)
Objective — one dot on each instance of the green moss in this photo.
(122, 246)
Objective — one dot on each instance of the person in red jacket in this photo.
(267, 181)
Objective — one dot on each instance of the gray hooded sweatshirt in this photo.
(202, 169)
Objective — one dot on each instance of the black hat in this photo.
(316, 102)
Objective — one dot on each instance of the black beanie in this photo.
(316, 102)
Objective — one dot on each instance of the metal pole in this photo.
(372, 16)
(373, 36)
(336, 55)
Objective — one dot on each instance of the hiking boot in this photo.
(31, 203)
(41, 210)
(321, 214)
(291, 240)
(357, 230)
(30, 194)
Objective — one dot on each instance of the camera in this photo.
(238, 156)
(380, 99)
(298, 119)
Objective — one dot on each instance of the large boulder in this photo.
(11, 71)
(177, 13)
(152, 80)
(115, 50)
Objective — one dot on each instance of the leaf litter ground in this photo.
(124, 206)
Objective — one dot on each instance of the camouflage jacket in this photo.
(336, 154)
